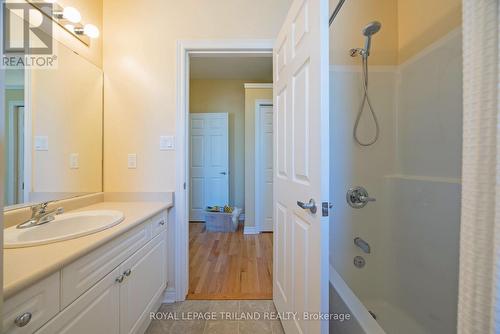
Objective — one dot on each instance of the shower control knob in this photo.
(358, 197)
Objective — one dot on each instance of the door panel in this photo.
(209, 162)
(265, 173)
(302, 160)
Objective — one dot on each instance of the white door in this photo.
(209, 163)
(301, 155)
(264, 168)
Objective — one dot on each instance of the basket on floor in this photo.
(222, 221)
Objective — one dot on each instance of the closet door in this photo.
(209, 162)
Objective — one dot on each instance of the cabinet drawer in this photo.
(41, 301)
(80, 275)
(158, 223)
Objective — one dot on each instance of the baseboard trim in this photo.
(250, 230)
(169, 296)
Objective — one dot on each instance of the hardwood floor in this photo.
(229, 265)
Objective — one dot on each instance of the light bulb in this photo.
(91, 30)
(70, 27)
(72, 14)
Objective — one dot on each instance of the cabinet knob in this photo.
(127, 272)
(119, 279)
(162, 223)
(23, 319)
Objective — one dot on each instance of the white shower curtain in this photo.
(479, 287)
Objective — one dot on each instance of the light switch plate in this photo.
(41, 143)
(167, 143)
(74, 161)
(132, 161)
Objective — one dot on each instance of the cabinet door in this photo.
(143, 285)
(96, 311)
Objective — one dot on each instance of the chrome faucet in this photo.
(40, 215)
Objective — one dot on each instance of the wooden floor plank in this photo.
(229, 265)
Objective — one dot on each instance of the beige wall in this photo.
(345, 32)
(408, 26)
(251, 95)
(211, 96)
(139, 58)
(422, 22)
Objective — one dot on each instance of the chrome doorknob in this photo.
(23, 319)
(358, 197)
(311, 206)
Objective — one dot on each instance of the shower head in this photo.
(371, 29)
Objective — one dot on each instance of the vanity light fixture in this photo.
(69, 18)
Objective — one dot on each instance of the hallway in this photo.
(229, 265)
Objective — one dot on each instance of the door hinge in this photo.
(325, 208)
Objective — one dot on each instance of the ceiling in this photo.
(254, 68)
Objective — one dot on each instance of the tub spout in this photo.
(365, 247)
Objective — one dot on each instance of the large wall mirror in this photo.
(53, 131)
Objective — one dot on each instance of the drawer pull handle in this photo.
(127, 272)
(23, 319)
(119, 279)
(162, 222)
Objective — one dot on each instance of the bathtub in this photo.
(343, 300)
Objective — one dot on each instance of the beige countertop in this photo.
(25, 266)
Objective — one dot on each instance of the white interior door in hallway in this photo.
(264, 167)
(301, 164)
(209, 161)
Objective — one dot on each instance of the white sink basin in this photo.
(64, 227)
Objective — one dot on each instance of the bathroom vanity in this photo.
(106, 282)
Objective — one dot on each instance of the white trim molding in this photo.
(251, 230)
(184, 49)
(258, 86)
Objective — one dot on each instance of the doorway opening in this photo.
(230, 173)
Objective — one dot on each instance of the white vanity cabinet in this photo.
(111, 290)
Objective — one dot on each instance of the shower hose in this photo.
(366, 100)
